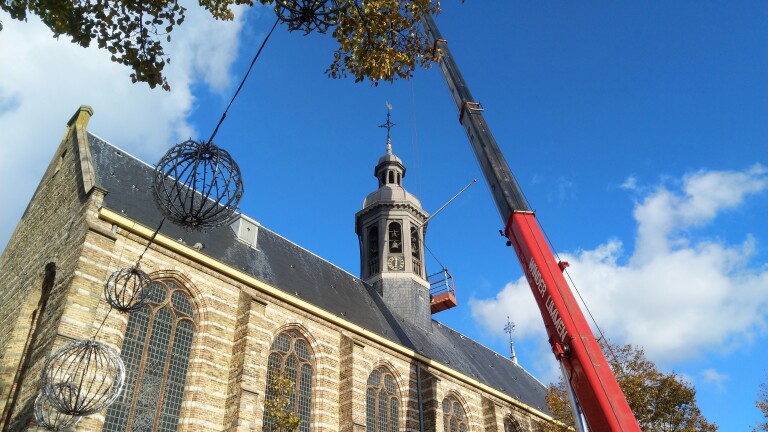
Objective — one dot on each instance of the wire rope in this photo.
(575, 288)
(224, 114)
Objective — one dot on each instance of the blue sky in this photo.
(638, 132)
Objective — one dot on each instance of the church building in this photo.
(231, 307)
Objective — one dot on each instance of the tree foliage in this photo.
(762, 405)
(378, 39)
(661, 402)
(278, 405)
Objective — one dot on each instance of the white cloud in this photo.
(664, 213)
(711, 376)
(44, 80)
(630, 183)
(676, 296)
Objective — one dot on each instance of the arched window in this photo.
(381, 402)
(512, 425)
(26, 331)
(290, 355)
(373, 241)
(373, 250)
(391, 177)
(395, 238)
(415, 243)
(155, 351)
(454, 418)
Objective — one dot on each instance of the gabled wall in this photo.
(38, 268)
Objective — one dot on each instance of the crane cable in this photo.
(583, 301)
(434, 256)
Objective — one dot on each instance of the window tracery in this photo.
(454, 417)
(512, 425)
(381, 402)
(156, 348)
(290, 355)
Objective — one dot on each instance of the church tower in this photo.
(391, 231)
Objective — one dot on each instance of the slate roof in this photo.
(290, 268)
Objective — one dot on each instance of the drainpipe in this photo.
(418, 391)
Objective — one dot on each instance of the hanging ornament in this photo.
(125, 290)
(308, 15)
(198, 185)
(82, 377)
(49, 418)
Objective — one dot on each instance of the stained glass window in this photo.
(454, 418)
(155, 351)
(290, 355)
(381, 402)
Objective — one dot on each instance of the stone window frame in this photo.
(457, 412)
(511, 424)
(393, 399)
(311, 362)
(130, 395)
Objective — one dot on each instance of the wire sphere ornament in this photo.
(125, 290)
(51, 419)
(308, 15)
(198, 185)
(82, 377)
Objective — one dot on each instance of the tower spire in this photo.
(508, 329)
(389, 125)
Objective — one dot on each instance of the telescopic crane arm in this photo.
(573, 344)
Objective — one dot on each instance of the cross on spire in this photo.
(509, 328)
(389, 125)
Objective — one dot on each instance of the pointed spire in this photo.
(508, 329)
(389, 125)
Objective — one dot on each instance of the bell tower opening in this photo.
(373, 250)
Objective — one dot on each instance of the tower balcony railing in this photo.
(416, 263)
(441, 291)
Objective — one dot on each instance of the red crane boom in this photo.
(573, 344)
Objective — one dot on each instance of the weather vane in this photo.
(509, 328)
(389, 125)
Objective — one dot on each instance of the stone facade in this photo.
(67, 244)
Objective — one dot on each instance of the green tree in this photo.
(378, 39)
(661, 402)
(762, 405)
(278, 405)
